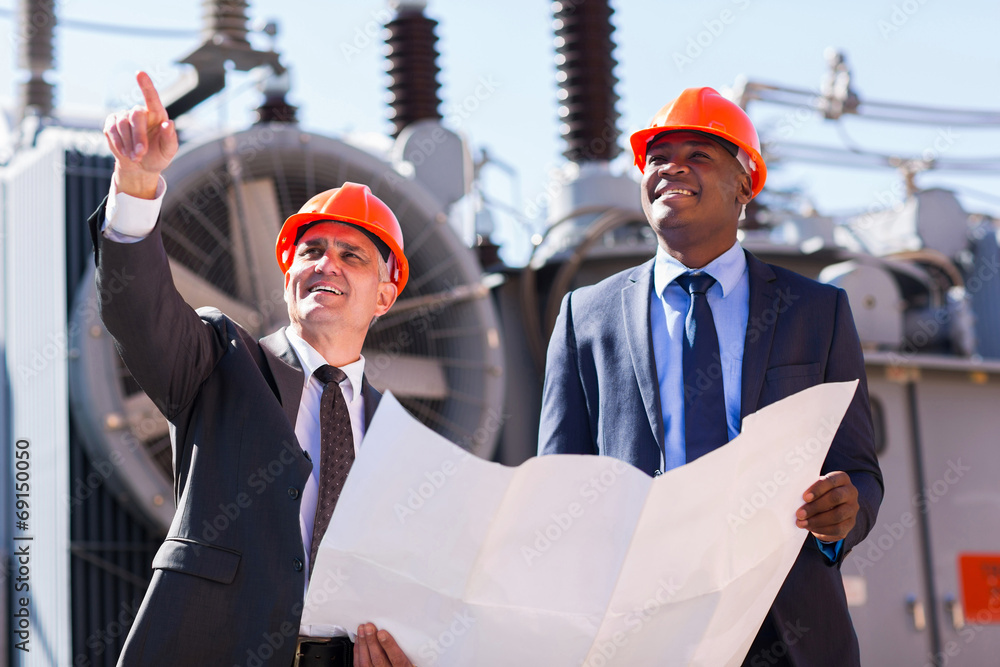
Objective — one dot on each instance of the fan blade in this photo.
(406, 376)
(456, 294)
(255, 220)
(199, 292)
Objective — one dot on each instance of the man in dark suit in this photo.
(248, 417)
(658, 364)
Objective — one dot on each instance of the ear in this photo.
(744, 189)
(386, 296)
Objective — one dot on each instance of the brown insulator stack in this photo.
(585, 62)
(224, 40)
(413, 69)
(226, 20)
(36, 54)
(275, 108)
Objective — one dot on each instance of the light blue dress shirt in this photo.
(729, 299)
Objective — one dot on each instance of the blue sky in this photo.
(922, 52)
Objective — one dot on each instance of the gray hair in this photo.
(383, 277)
(383, 269)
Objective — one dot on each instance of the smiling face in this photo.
(333, 290)
(692, 193)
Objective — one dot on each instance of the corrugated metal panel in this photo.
(35, 313)
(111, 552)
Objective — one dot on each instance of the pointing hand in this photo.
(143, 141)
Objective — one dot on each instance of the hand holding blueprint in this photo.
(570, 560)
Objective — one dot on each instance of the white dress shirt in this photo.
(307, 427)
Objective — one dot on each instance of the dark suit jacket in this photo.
(227, 585)
(601, 396)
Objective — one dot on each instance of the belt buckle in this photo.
(324, 652)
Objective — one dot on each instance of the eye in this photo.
(310, 251)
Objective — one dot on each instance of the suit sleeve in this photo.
(564, 427)
(853, 448)
(167, 347)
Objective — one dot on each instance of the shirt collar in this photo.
(727, 269)
(310, 360)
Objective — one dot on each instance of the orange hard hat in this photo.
(705, 110)
(354, 205)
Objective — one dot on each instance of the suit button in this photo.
(297, 564)
(293, 493)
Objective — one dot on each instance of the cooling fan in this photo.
(438, 349)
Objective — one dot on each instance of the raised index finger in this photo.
(153, 103)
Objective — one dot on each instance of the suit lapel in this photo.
(372, 397)
(760, 332)
(635, 308)
(285, 369)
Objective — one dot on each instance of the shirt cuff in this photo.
(129, 219)
(830, 549)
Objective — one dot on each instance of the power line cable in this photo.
(878, 110)
(836, 156)
(109, 28)
(973, 192)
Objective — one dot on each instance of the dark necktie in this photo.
(336, 452)
(704, 399)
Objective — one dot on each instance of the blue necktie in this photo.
(705, 426)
